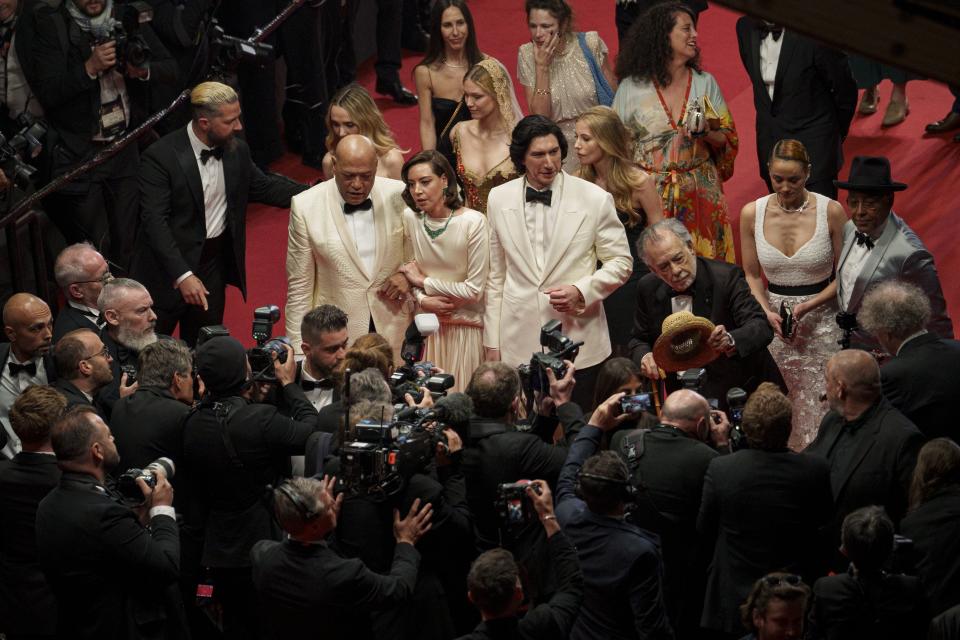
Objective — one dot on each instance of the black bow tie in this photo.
(310, 385)
(29, 368)
(366, 205)
(770, 30)
(206, 154)
(539, 196)
(863, 238)
(97, 318)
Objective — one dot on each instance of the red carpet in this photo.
(930, 166)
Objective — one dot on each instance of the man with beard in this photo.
(194, 188)
(111, 567)
(127, 308)
(25, 359)
(83, 367)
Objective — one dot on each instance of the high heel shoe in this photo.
(869, 101)
(895, 114)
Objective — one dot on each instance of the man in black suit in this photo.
(668, 464)
(194, 188)
(679, 280)
(767, 508)
(897, 313)
(149, 423)
(111, 575)
(25, 360)
(302, 582)
(83, 367)
(80, 272)
(801, 90)
(871, 447)
(27, 607)
(91, 98)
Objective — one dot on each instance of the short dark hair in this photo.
(530, 127)
(492, 388)
(767, 418)
(613, 374)
(440, 167)
(867, 536)
(601, 496)
(73, 434)
(157, 362)
(558, 8)
(492, 580)
(773, 586)
(35, 411)
(326, 318)
(67, 354)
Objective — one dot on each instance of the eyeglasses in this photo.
(103, 352)
(104, 279)
(789, 579)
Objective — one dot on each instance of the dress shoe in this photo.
(948, 123)
(895, 114)
(869, 101)
(396, 90)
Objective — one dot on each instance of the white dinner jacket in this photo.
(587, 230)
(323, 266)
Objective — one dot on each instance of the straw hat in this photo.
(683, 342)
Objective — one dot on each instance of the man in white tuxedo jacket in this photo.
(345, 246)
(548, 230)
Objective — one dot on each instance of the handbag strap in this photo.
(595, 69)
(453, 117)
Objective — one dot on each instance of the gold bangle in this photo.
(542, 92)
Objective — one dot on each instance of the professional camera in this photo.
(736, 401)
(693, 379)
(848, 324)
(228, 51)
(261, 356)
(534, 375)
(131, 47)
(513, 504)
(23, 146)
(414, 373)
(127, 482)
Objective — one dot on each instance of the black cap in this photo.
(222, 363)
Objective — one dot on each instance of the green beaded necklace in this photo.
(439, 232)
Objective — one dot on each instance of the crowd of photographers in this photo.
(222, 492)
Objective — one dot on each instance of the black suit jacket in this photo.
(303, 586)
(768, 511)
(26, 601)
(814, 97)
(887, 608)
(934, 527)
(721, 294)
(48, 366)
(173, 227)
(882, 463)
(148, 425)
(73, 395)
(70, 319)
(914, 382)
(113, 578)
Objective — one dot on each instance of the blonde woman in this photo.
(353, 111)
(481, 145)
(604, 148)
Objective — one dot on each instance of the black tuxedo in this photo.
(814, 97)
(173, 227)
(934, 527)
(70, 319)
(849, 607)
(26, 601)
(48, 366)
(113, 578)
(148, 425)
(73, 395)
(767, 511)
(879, 464)
(721, 294)
(914, 382)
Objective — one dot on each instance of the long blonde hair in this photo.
(355, 100)
(616, 142)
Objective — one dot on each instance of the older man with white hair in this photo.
(80, 272)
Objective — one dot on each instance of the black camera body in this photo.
(261, 356)
(694, 379)
(382, 455)
(848, 324)
(131, 47)
(559, 347)
(513, 505)
(127, 481)
(21, 143)
(736, 401)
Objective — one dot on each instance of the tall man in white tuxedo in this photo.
(548, 230)
(345, 246)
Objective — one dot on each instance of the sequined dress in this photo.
(802, 361)
(477, 187)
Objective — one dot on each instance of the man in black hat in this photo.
(878, 245)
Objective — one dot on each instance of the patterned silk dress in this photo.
(689, 171)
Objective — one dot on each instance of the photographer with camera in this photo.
(494, 586)
(621, 564)
(95, 62)
(233, 448)
(112, 568)
(303, 581)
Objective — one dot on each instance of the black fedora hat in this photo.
(870, 173)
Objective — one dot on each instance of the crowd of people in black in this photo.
(525, 392)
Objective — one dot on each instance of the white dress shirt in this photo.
(319, 398)
(90, 311)
(10, 389)
(851, 271)
(364, 232)
(214, 192)
(540, 219)
(769, 58)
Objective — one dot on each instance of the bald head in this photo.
(857, 372)
(684, 409)
(355, 168)
(356, 149)
(28, 325)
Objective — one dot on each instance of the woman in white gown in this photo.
(793, 238)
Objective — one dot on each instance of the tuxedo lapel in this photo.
(568, 222)
(783, 62)
(381, 221)
(231, 174)
(188, 164)
(848, 238)
(335, 211)
(756, 74)
(515, 226)
(874, 258)
(703, 291)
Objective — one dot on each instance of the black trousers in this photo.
(586, 382)
(389, 19)
(216, 261)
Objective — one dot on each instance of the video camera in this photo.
(414, 373)
(533, 376)
(131, 47)
(127, 482)
(514, 506)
